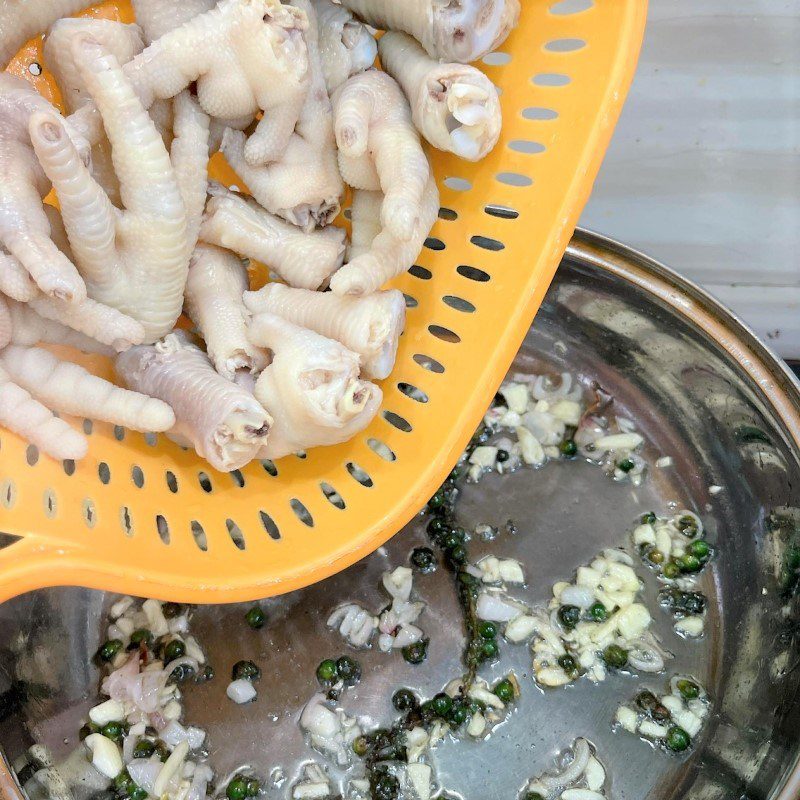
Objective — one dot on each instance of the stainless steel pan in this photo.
(705, 392)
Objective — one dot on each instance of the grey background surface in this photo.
(704, 169)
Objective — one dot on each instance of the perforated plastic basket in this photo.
(143, 516)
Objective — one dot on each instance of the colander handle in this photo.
(31, 563)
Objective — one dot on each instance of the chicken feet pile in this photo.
(289, 95)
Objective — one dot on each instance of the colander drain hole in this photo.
(8, 493)
(163, 528)
(89, 513)
(565, 7)
(445, 334)
(269, 467)
(501, 212)
(409, 390)
(458, 303)
(269, 525)
(397, 421)
(473, 273)
(236, 534)
(301, 512)
(359, 475)
(487, 243)
(172, 481)
(199, 535)
(422, 273)
(205, 482)
(429, 363)
(32, 455)
(137, 476)
(104, 473)
(50, 504)
(381, 449)
(565, 45)
(126, 520)
(332, 496)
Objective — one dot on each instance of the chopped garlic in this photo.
(652, 730)
(516, 395)
(627, 718)
(109, 711)
(520, 628)
(106, 757)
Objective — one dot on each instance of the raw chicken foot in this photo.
(303, 185)
(311, 388)
(223, 422)
(159, 17)
(376, 255)
(306, 260)
(217, 281)
(454, 106)
(24, 228)
(346, 46)
(136, 260)
(450, 30)
(370, 325)
(34, 383)
(379, 148)
(245, 56)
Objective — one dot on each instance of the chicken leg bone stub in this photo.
(458, 30)
(245, 56)
(223, 422)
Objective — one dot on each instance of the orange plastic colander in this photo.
(140, 515)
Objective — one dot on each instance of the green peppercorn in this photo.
(677, 739)
(569, 665)
(451, 539)
(139, 637)
(648, 519)
(598, 612)
(113, 730)
(171, 610)
(387, 787)
(687, 525)
(504, 689)
(487, 630)
(437, 527)
(489, 649)
(646, 700)
(689, 689)
(569, 616)
(205, 674)
(692, 603)
(137, 793)
(533, 796)
(123, 783)
(792, 557)
(174, 649)
(423, 559)
(360, 745)
(237, 788)
(349, 670)
(416, 653)
(671, 570)
(655, 557)
(255, 617)
(144, 748)
(458, 714)
(181, 674)
(441, 704)
(108, 650)
(615, 656)
(326, 672)
(404, 700)
(457, 555)
(245, 669)
(437, 501)
(568, 448)
(626, 465)
(502, 456)
(700, 549)
(253, 787)
(689, 563)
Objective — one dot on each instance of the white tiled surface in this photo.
(704, 169)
